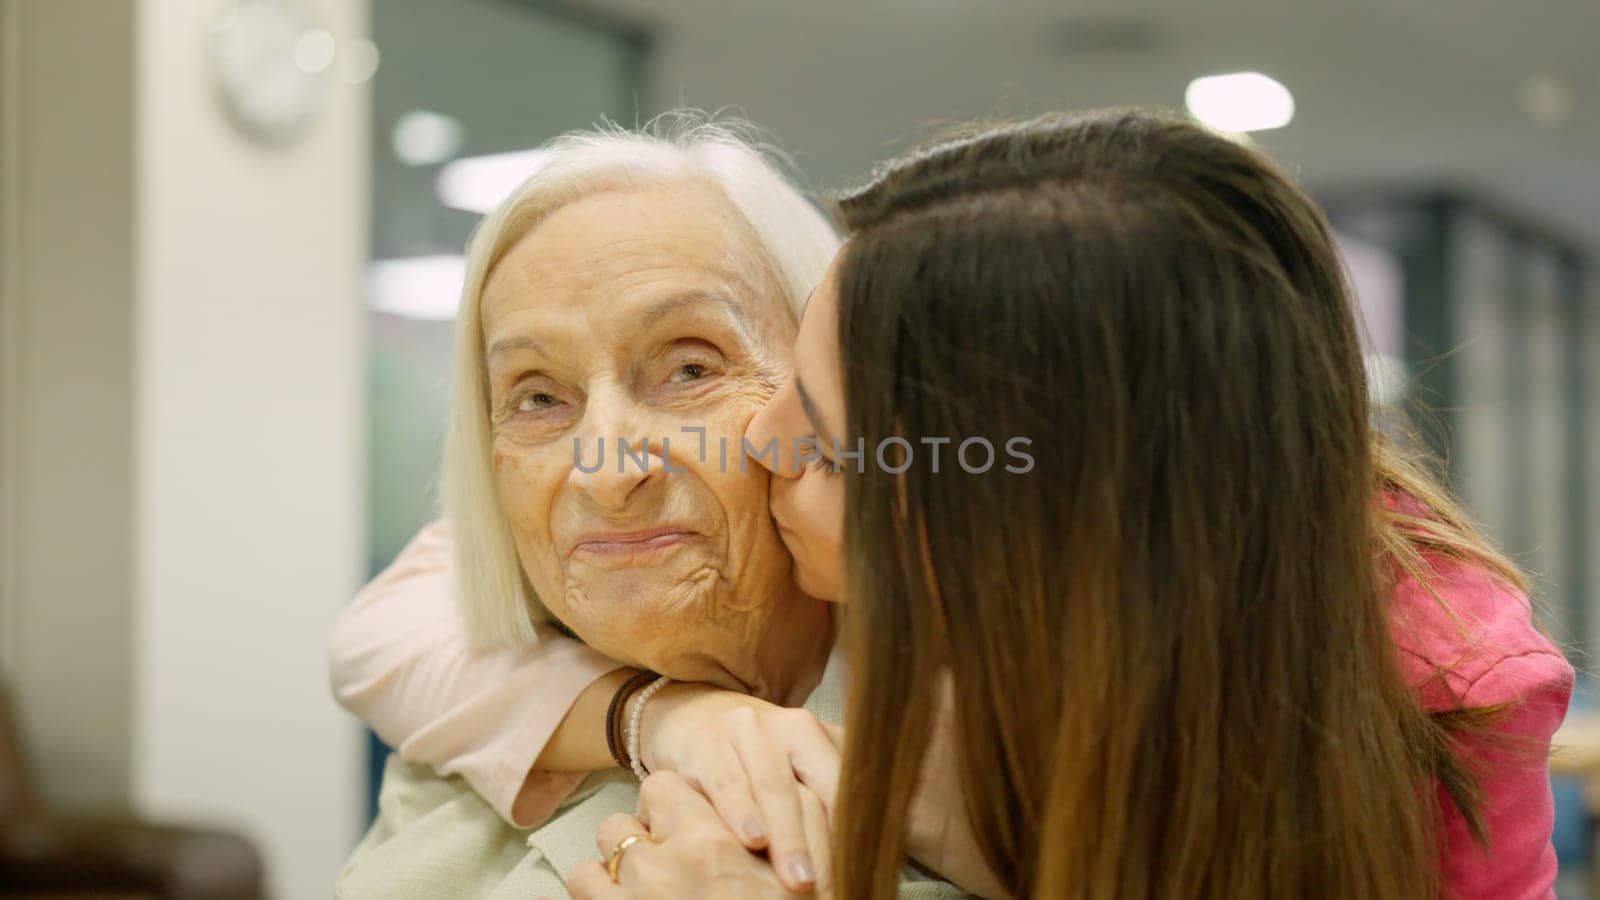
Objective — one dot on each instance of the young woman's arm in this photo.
(401, 661)
(523, 726)
(1519, 863)
(1480, 649)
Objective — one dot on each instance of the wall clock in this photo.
(270, 65)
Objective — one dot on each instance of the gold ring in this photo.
(614, 864)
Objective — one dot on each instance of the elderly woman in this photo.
(624, 316)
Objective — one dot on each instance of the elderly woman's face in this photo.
(635, 315)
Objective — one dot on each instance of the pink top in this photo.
(400, 660)
(1492, 654)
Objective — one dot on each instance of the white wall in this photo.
(248, 455)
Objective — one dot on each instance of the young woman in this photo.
(1219, 640)
(1172, 665)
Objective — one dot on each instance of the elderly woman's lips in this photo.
(621, 544)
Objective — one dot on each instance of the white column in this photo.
(249, 453)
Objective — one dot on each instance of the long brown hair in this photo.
(1169, 644)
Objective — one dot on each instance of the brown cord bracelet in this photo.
(616, 715)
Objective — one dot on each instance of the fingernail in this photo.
(800, 870)
(752, 830)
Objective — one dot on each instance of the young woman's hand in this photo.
(681, 847)
(755, 762)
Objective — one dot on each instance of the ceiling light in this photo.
(480, 183)
(422, 138)
(1546, 99)
(418, 287)
(1241, 101)
(313, 51)
(361, 57)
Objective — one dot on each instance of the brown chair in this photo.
(74, 858)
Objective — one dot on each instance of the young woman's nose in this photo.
(770, 431)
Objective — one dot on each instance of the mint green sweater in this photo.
(435, 838)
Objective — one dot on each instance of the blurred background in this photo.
(230, 249)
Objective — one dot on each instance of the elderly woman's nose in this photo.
(626, 474)
(614, 455)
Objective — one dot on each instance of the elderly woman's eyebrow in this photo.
(515, 342)
(669, 305)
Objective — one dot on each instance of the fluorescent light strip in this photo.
(419, 287)
(480, 183)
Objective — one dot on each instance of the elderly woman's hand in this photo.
(756, 762)
(678, 846)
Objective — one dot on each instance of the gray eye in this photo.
(690, 372)
(536, 401)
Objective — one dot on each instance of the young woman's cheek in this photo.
(816, 516)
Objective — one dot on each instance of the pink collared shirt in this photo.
(401, 661)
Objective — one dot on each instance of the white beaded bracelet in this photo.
(635, 718)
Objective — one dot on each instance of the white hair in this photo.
(798, 241)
